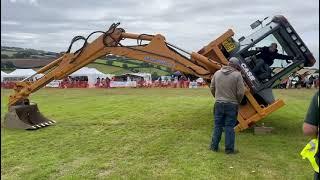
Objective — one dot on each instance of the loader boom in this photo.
(157, 51)
(25, 115)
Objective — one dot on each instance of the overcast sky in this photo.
(51, 24)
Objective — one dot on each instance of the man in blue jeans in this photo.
(228, 88)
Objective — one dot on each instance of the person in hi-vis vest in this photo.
(311, 128)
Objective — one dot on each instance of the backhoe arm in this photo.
(157, 51)
(257, 104)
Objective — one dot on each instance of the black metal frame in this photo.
(278, 29)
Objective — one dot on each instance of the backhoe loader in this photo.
(259, 100)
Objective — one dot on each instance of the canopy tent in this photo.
(277, 70)
(94, 70)
(165, 78)
(306, 71)
(200, 80)
(3, 74)
(314, 75)
(91, 73)
(146, 76)
(134, 77)
(20, 74)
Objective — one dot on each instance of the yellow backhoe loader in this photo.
(259, 100)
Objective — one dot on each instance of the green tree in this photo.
(169, 70)
(4, 56)
(7, 65)
(144, 64)
(24, 54)
(135, 70)
(109, 62)
(154, 75)
(125, 66)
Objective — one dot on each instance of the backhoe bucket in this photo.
(26, 117)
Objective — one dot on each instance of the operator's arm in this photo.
(212, 86)
(310, 125)
(284, 57)
(240, 88)
(250, 53)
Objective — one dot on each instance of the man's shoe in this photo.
(232, 152)
(213, 149)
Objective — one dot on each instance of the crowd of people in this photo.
(140, 83)
(7, 84)
(103, 82)
(74, 82)
(293, 81)
(82, 82)
(288, 83)
(299, 81)
(181, 83)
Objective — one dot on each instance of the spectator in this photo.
(310, 81)
(228, 97)
(289, 82)
(97, 84)
(102, 83)
(311, 128)
(305, 82)
(316, 82)
(107, 82)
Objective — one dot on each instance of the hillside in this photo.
(20, 58)
(117, 70)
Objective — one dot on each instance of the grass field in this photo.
(149, 134)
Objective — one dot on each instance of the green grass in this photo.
(151, 70)
(108, 69)
(130, 63)
(119, 70)
(134, 61)
(120, 64)
(149, 134)
(102, 61)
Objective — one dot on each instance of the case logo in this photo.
(247, 71)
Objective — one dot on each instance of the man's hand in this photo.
(294, 59)
(258, 49)
(310, 130)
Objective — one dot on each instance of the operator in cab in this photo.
(265, 57)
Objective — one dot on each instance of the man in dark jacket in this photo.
(265, 58)
(228, 88)
(311, 124)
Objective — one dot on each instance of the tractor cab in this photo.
(288, 42)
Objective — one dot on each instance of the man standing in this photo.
(228, 89)
(311, 128)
